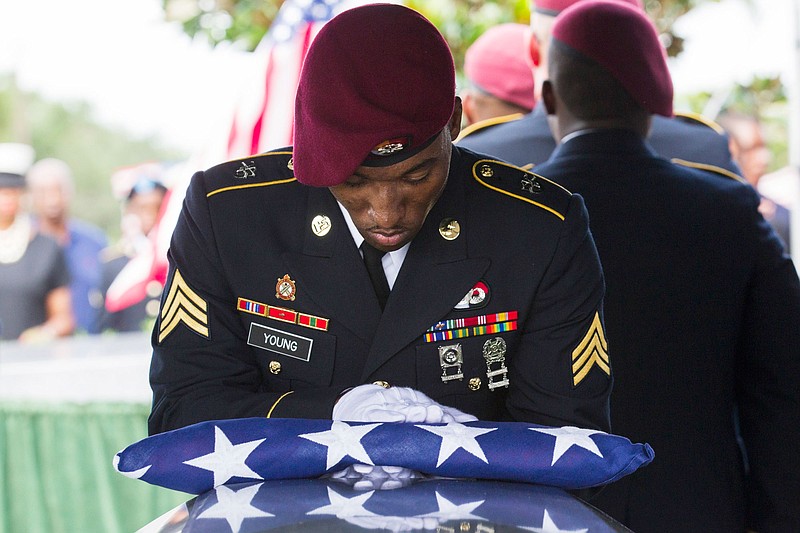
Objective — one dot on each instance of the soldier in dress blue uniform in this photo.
(702, 304)
(487, 300)
(528, 141)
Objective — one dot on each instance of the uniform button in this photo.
(275, 367)
(474, 383)
(384, 384)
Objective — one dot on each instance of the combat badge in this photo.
(450, 357)
(494, 351)
(286, 288)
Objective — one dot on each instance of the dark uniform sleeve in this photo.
(562, 368)
(202, 368)
(769, 381)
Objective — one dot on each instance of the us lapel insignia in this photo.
(477, 297)
(592, 351)
(321, 225)
(286, 288)
(182, 305)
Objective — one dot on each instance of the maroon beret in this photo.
(377, 86)
(554, 7)
(622, 40)
(496, 63)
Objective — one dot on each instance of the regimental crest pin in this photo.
(247, 170)
(286, 288)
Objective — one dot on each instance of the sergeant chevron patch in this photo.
(592, 350)
(182, 304)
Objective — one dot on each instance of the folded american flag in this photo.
(199, 457)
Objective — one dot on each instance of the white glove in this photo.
(369, 477)
(373, 403)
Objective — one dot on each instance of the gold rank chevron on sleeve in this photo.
(592, 350)
(182, 304)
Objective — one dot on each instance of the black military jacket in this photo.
(268, 309)
(527, 141)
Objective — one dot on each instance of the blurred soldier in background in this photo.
(500, 79)
(702, 303)
(141, 209)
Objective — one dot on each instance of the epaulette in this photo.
(697, 118)
(261, 170)
(523, 185)
(487, 123)
(709, 168)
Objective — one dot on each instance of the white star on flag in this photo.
(227, 460)
(548, 526)
(343, 440)
(235, 506)
(455, 436)
(342, 507)
(450, 511)
(569, 436)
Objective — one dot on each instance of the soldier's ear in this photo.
(549, 97)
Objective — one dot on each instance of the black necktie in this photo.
(372, 259)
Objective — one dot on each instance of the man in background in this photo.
(528, 141)
(702, 304)
(51, 187)
(500, 80)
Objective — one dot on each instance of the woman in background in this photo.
(34, 281)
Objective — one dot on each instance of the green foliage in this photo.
(70, 132)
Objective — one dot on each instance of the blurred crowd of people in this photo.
(56, 269)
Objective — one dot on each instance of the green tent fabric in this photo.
(56, 472)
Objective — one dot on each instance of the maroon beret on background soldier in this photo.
(605, 36)
(496, 64)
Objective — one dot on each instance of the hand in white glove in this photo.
(373, 403)
(369, 477)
